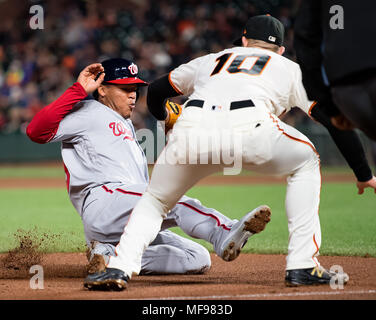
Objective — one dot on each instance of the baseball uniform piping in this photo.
(317, 247)
(293, 138)
(182, 203)
(311, 107)
(173, 85)
(205, 214)
(310, 111)
(67, 175)
(107, 190)
(129, 192)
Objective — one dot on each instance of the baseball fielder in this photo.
(106, 174)
(234, 95)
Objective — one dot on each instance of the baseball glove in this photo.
(174, 111)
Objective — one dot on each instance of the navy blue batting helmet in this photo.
(121, 71)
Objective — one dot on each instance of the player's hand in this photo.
(87, 77)
(341, 122)
(367, 184)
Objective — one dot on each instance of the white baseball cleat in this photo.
(253, 222)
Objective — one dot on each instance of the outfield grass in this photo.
(49, 171)
(48, 210)
(348, 220)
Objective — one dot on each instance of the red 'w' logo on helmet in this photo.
(133, 69)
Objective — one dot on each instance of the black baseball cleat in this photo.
(110, 279)
(313, 276)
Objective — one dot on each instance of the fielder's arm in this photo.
(307, 44)
(350, 146)
(158, 91)
(162, 109)
(346, 141)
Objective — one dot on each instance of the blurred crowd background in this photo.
(36, 66)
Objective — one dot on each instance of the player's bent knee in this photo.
(200, 261)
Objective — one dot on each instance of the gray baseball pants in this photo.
(106, 212)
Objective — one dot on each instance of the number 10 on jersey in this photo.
(236, 64)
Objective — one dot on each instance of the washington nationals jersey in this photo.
(243, 73)
(99, 147)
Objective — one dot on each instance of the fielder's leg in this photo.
(294, 155)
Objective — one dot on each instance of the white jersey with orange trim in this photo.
(242, 73)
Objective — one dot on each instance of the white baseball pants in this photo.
(257, 141)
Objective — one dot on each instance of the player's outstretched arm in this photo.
(46, 122)
(367, 184)
(158, 91)
(349, 144)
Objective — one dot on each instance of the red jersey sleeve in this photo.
(46, 122)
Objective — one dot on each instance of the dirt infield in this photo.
(250, 277)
